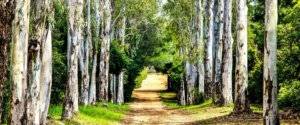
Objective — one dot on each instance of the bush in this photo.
(142, 76)
(289, 95)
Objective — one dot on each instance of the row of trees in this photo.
(208, 57)
(27, 25)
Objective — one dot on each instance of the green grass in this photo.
(100, 114)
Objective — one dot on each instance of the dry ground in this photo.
(153, 106)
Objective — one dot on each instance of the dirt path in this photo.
(148, 109)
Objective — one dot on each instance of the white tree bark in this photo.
(96, 27)
(84, 55)
(227, 54)
(46, 75)
(122, 33)
(270, 106)
(209, 40)
(217, 76)
(241, 103)
(120, 91)
(20, 32)
(182, 91)
(39, 49)
(104, 51)
(199, 29)
(75, 9)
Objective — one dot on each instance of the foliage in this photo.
(104, 114)
(142, 76)
(289, 95)
(59, 51)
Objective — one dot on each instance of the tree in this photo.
(200, 44)
(96, 31)
(270, 106)
(20, 33)
(84, 54)
(39, 63)
(7, 14)
(241, 103)
(209, 41)
(227, 54)
(122, 35)
(217, 76)
(75, 9)
(104, 50)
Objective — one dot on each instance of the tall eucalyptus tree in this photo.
(217, 76)
(39, 63)
(20, 34)
(209, 41)
(84, 54)
(227, 54)
(75, 9)
(270, 106)
(241, 103)
(104, 50)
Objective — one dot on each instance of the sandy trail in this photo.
(147, 108)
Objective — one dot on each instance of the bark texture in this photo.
(96, 31)
(241, 103)
(227, 54)
(7, 14)
(104, 50)
(209, 40)
(75, 9)
(122, 33)
(182, 92)
(217, 76)
(20, 33)
(84, 55)
(199, 29)
(38, 49)
(270, 106)
(120, 91)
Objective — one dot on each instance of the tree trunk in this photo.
(84, 55)
(209, 39)
(75, 8)
(96, 30)
(46, 74)
(122, 33)
(104, 51)
(191, 80)
(241, 103)
(227, 54)
(182, 91)
(20, 32)
(217, 76)
(270, 106)
(200, 45)
(39, 40)
(120, 91)
(7, 14)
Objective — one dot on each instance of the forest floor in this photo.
(153, 105)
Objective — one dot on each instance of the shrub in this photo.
(142, 76)
(289, 95)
